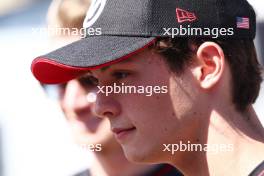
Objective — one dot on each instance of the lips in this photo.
(121, 133)
(120, 130)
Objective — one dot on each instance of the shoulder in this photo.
(259, 170)
(165, 170)
(83, 173)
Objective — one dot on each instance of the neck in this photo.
(235, 141)
(112, 162)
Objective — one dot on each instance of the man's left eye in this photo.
(120, 75)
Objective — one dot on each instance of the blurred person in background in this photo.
(7, 7)
(75, 99)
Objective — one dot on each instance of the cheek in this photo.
(152, 116)
(104, 127)
(155, 123)
(183, 97)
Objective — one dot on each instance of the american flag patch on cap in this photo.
(243, 22)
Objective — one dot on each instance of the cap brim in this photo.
(76, 58)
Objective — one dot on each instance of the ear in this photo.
(211, 64)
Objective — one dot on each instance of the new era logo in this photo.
(94, 12)
(183, 15)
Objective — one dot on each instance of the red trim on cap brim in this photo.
(51, 72)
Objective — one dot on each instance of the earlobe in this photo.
(211, 59)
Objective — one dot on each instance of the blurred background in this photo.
(34, 136)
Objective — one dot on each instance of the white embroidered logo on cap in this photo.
(95, 10)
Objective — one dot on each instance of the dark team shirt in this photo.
(160, 170)
(259, 171)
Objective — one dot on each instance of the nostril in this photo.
(105, 106)
(108, 114)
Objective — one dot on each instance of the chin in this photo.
(140, 155)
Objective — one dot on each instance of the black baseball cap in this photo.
(129, 26)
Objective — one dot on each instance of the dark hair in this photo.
(240, 55)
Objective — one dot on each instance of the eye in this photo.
(120, 74)
(55, 91)
(88, 81)
(62, 86)
(61, 89)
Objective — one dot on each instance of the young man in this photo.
(194, 75)
(90, 132)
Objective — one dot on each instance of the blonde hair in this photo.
(67, 13)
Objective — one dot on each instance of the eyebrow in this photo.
(121, 62)
(105, 68)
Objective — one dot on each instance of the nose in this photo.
(75, 99)
(106, 106)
